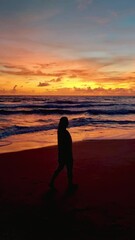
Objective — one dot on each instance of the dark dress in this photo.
(65, 156)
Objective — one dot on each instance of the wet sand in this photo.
(103, 206)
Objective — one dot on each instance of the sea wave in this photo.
(40, 111)
(15, 130)
(63, 105)
(75, 122)
(90, 121)
(58, 111)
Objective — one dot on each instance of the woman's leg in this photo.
(69, 166)
(56, 173)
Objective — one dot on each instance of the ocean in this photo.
(31, 121)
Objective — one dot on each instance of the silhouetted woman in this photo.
(65, 157)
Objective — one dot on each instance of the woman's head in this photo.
(63, 123)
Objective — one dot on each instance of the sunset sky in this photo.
(74, 47)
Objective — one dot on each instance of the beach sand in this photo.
(103, 206)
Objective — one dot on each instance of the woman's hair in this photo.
(63, 123)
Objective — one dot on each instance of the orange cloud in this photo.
(81, 76)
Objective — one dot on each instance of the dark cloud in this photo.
(43, 84)
(14, 88)
(58, 79)
(103, 91)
